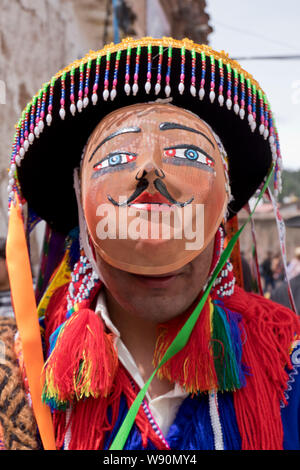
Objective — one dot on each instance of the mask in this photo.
(154, 188)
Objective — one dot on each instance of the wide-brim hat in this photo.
(56, 124)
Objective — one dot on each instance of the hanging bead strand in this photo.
(127, 87)
(72, 92)
(249, 107)
(149, 69)
(262, 114)
(253, 123)
(168, 75)
(37, 116)
(50, 104)
(135, 86)
(266, 118)
(193, 77)
(96, 83)
(236, 107)
(221, 86)
(113, 92)
(80, 91)
(62, 111)
(43, 108)
(106, 77)
(212, 94)
(26, 131)
(21, 149)
(242, 108)
(159, 66)
(31, 127)
(229, 85)
(203, 73)
(87, 83)
(182, 71)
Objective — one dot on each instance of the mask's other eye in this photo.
(115, 159)
(190, 153)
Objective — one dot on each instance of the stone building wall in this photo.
(39, 37)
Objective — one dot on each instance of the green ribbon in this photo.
(184, 334)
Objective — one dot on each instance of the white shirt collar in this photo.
(164, 407)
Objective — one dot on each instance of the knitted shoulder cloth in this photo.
(264, 332)
(270, 331)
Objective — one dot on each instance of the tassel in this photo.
(83, 361)
(269, 331)
(227, 347)
(92, 420)
(193, 366)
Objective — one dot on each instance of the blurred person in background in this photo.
(293, 268)
(267, 272)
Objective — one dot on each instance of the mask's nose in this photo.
(150, 171)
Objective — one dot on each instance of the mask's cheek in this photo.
(92, 199)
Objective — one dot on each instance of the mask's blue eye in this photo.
(114, 160)
(191, 154)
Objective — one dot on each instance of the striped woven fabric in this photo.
(17, 425)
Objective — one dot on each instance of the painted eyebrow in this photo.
(165, 126)
(124, 130)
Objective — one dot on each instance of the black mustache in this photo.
(142, 186)
(162, 189)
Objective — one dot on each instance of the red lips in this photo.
(147, 198)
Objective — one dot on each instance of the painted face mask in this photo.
(154, 188)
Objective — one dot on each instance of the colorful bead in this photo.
(193, 73)
(168, 75)
(221, 86)
(182, 71)
(229, 85)
(203, 72)
(50, 104)
(212, 94)
(32, 114)
(135, 86)
(262, 115)
(72, 91)
(113, 92)
(106, 77)
(249, 92)
(43, 108)
(266, 117)
(159, 65)
(87, 82)
(96, 82)
(236, 107)
(149, 68)
(127, 87)
(62, 111)
(83, 281)
(26, 128)
(37, 116)
(253, 123)
(80, 91)
(242, 102)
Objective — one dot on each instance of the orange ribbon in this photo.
(25, 309)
